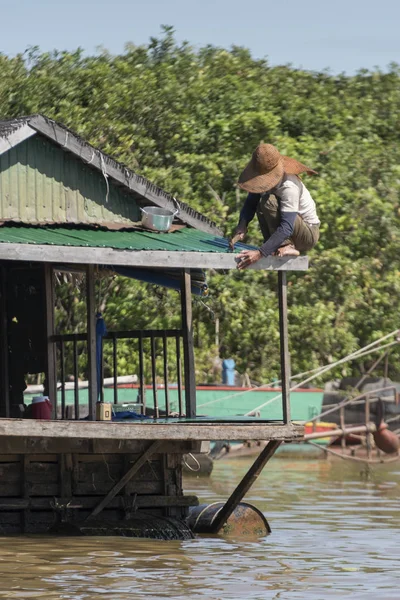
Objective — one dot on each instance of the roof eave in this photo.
(143, 258)
(15, 137)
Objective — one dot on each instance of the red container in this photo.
(41, 408)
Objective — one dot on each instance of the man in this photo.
(284, 206)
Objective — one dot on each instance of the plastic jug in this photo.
(41, 407)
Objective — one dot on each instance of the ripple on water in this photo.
(335, 535)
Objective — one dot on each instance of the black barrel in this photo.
(245, 521)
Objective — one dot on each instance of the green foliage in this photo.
(188, 120)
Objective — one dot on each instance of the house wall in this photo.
(42, 183)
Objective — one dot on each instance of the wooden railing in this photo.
(150, 344)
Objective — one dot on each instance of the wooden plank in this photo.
(284, 345)
(154, 376)
(100, 488)
(115, 368)
(121, 334)
(25, 463)
(4, 367)
(188, 344)
(143, 258)
(51, 366)
(91, 342)
(65, 474)
(89, 502)
(76, 380)
(127, 477)
(142, 385)
(107, 430)
(241, 490)
(47, 449)
(179, 373)
(62, 365)
(166, 381)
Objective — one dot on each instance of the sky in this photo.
(339, 35)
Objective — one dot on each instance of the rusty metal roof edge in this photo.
(108, 166)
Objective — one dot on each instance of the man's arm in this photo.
(246, 215)
(249, 208)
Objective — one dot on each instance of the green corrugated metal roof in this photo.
(182, 240)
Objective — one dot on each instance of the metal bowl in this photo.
(157, 219)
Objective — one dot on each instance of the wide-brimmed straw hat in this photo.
(266, 169)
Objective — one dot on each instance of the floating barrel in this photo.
(246, 520)
(386, 440)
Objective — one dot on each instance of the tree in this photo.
(188, 120)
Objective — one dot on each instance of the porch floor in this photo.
(173, 429)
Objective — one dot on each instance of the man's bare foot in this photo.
(288, 250)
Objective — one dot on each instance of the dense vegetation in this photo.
(188, 120)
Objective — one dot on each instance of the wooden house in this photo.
(66, 206)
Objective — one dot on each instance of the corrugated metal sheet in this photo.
(16, 131)
(41, 183)
(183, 240)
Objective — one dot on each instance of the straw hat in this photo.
(266, 169)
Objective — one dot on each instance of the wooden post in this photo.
(91, 341)
(188, 346)
(51, 366)
(241, 490)
(284, 345)
(5, 384)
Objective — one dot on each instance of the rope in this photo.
(317, 371)
(370, 461)
(105, 175)
(195, 460)
(352, 356)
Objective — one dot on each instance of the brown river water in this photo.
(335, 534)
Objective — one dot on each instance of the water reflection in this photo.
(335, 535)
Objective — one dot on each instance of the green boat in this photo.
(213, 401)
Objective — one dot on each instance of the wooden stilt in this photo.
(154, 446)
(91, 341)
(5, 387)
(241, 490)
(188, 346)
(51, 367)
(284, 345)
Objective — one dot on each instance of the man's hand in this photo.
(247, 258)
(238, 235)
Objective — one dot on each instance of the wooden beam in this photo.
(188, 344)
(51, 363)
(143, 258)
(89, 502)
(108, 430)
(11, 447)
(4, 362)
(91, 342)
(241, 490)
(154, 446)
(284, 345)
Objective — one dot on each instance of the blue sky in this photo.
(342, 35)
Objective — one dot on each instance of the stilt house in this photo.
(66, 206)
